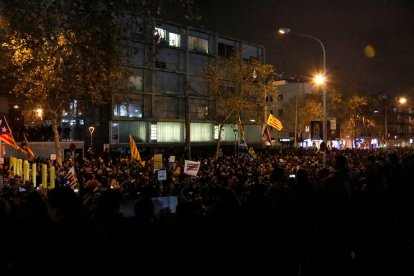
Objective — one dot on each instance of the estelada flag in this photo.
(6, 134)
(266, 134)
(274, 122)
(134, 149)
(26, 148)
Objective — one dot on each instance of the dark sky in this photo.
(344, 27)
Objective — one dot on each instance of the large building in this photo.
(290, 94)
(169, 90)
(166, 98)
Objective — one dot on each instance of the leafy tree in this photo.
(350, 112)
(61, 51)
(309, 109)
(238, 89)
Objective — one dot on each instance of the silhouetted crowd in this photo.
(279, 213)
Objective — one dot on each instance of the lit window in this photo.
(120, 110)
(134, 110)
(174, 39)
(153, 132)
(197, 44)
(160, 35)
(135, 83)
(216, 131)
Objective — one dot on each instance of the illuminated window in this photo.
(160, 35)
(201, 132)
(216, 132)
(127, 110)
(170, 132)
(153, 132)
(135, 83)
(134, 110)
(174, 39)
(198, 44)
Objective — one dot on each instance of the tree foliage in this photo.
(238, 89)
(61, 51)
(309, 109)
(350, 112)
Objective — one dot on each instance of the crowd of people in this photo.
(279, 211)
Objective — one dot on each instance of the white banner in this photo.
(191, 167)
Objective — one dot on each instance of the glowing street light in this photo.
(402, 100)
(320, 79)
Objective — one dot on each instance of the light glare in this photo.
(319, 79)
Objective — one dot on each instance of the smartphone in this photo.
(292, 175)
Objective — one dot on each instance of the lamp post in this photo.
(401, 101)
(91, 130)
(235, 141)
(285, 31)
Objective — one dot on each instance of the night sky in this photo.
(369, 44)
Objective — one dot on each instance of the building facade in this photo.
(285, 107)
(167, 96)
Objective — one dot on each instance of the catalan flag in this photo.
(71, 177)
(6, 134)
(134, 149)
(274, 122)
(266, 134)
(26, 148)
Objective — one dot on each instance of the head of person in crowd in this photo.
(91, 184)
(63, 205)
(144, 209)
(341, 163)
(5, 209)
(277, 175)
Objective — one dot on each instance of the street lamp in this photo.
(401, 101)
(91, 130)
(285, 31)
(235, 141)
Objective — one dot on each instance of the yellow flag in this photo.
(274, 122)
(134, 149)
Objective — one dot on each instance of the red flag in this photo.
(6, 134)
